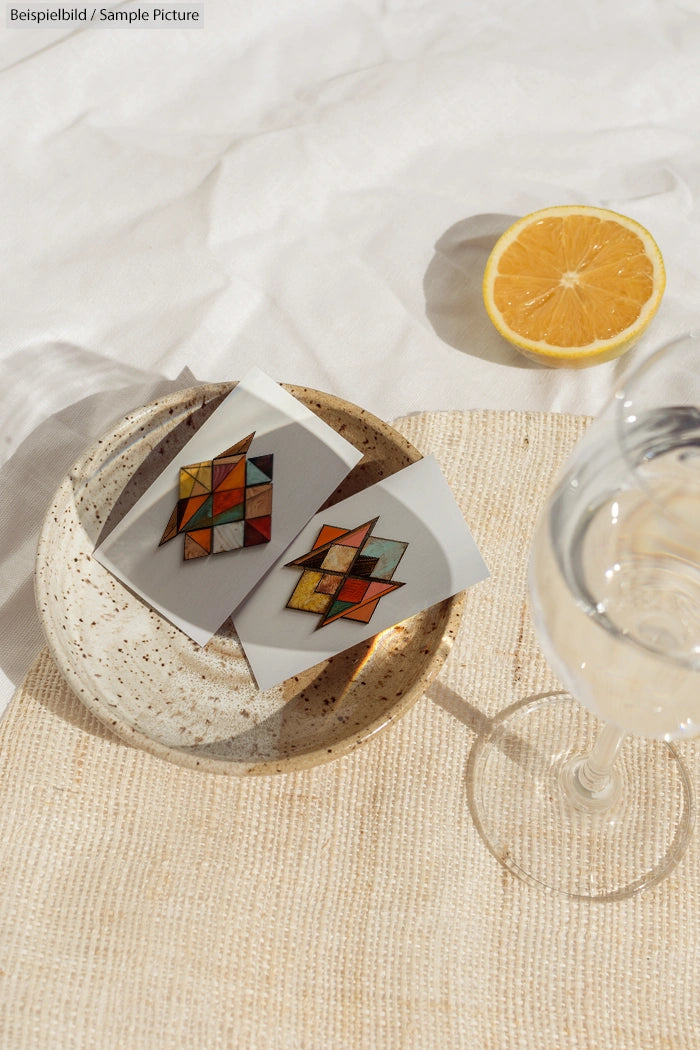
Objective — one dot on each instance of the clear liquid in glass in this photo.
(615, 576)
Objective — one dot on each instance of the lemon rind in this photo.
(600, 348)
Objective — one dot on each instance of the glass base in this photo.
(630, 839)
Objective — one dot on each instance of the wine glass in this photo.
(589, 797)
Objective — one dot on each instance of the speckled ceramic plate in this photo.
(196, 706)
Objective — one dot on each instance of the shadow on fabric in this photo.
(28, 481)
(452, 288)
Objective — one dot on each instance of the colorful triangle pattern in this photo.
(346, 573)
(224, 503)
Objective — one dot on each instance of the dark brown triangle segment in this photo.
(257, 530)
(264, 464)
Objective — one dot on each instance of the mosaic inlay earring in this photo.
(224, 503)
(346, 573)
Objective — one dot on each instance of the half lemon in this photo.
(573, 285)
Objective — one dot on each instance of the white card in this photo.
(417, 552)
(309, 460)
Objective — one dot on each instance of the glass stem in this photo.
(595, 770)
(590, 781)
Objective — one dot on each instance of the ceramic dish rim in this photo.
(282, 764)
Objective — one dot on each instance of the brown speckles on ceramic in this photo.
(199, 707)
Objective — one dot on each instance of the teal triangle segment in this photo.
(264, 463)
(254, 476)
(338, 607)
(203, 517)
(388, 554)
(232, 514)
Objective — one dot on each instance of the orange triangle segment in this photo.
(202, 537)
(235, 479)
(192, 506)
(327, 534)
(362, 613)
(193, 549)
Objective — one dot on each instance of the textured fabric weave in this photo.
(352, 906)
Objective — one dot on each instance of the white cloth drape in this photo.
(312, 186)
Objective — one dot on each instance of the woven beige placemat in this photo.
(354, 906)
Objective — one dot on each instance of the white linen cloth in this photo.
(312, 187)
